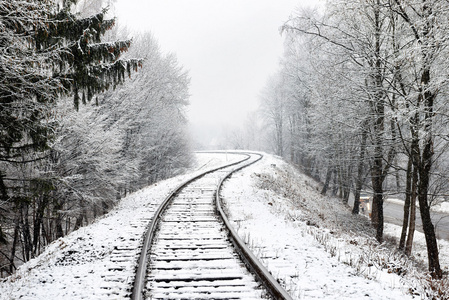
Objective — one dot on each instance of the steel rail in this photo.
(250, 260)
(139, 281)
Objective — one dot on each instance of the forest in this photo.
(360, 102)
(88, 114)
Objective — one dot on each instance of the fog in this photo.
(229, 47)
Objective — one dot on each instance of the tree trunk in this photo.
(27, 244)
(58, 219)
(408, 191)
(81, 216)
(38, 222)
(377, 215)
(378, 110)
(335, 182)
(360, 167)
(14, 245)
(328, 180)
(411, 229)
(346, 192)
(79, 221)
(428, 228)
(398, 177)
(423, 185)
(356, 207)
(3, 198)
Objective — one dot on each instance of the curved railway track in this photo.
(190, 250)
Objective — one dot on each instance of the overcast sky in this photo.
(229, 47)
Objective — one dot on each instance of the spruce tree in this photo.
(87, 65)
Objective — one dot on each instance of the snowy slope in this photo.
(276, 228)
(310, 243)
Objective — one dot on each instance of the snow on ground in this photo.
(81, 265)
(311, 243)
(419, 250)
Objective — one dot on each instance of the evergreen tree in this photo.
(46, 52)
(88, 66)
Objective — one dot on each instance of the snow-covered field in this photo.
(316, 248)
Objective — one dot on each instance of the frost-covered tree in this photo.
(296, 72)
(423, 82)
(380, 76)
(133, 137)
(47, 51)
(358, 36)
(274, 112)
(154, 113)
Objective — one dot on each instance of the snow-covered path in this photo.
(191, 256)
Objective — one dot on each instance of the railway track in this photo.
(190, 251)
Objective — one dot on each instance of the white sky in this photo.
(229, 47)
